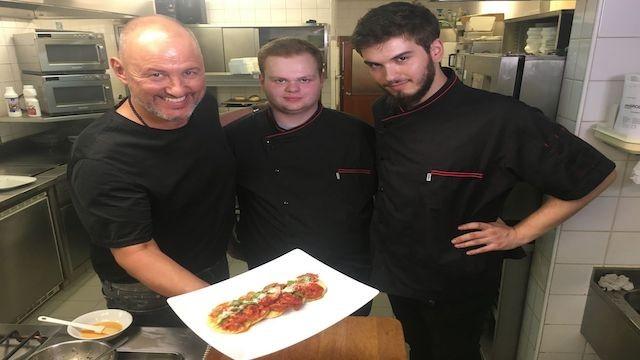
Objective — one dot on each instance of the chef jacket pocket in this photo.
(357, 186)
(445, 188)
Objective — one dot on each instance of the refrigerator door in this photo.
(541, 83)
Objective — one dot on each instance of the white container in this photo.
(12, 101)
(31, 102)
(628, 120)
(247, 65)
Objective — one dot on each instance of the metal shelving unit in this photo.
(49, 119)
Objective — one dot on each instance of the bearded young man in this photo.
(305, 172)
(153, 180)
(447, 157)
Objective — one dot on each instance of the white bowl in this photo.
(124, 318)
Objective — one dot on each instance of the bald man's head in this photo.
(152, 29)
(161, 62)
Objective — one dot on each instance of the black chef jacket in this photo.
(310, 187)
(451, 160)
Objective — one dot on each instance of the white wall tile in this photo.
(6, 73)
(263, 16)
(567, 123)
(578, 17)
(537, 307)
(583, 57)
(617, 19)
(324, 15)
(589, 18)
(262, 4)
(574, 99)
(624, 249)
(278, 16)
(582, 247)
(601, 97)
(308, 4)
(294, 16)
(565, 99)
(323, 4)
(565, 309)
(292, 4)
(307, 14)
(560, 356)
(616, 185)
(615, 57)
(629, 188)
(562, 339)
(540, 269)
(586, 133)
(596, 216)
(572, 56)
(627, 215)
(570, 279)
(278, 4)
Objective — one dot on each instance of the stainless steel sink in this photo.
(611, 320)
(131, 355)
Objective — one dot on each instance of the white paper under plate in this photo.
(11, 181)
(344, 296)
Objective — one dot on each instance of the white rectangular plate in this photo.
(12, 181)
(344, 296)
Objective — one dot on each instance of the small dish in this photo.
(12, 181)
(116, 315)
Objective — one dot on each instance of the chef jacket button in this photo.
(285, 203)
(277, 171)
(268, 141)
(381, 189)
(431, 302)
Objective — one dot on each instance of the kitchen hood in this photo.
(75, 9)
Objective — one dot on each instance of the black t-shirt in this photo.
(309, 187)
(454, 159)
(131, 183)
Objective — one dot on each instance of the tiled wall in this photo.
(270, 13)
(604, 46)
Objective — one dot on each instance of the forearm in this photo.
(554, 211)
(150, 266)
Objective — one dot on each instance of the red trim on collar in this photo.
(297, 128)
(441, 92)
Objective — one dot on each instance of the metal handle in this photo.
(100, 49)
(455, 59)
(347, 93)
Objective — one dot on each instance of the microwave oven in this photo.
(72, 93)
(55, 52)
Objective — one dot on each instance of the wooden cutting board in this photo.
(353, 338)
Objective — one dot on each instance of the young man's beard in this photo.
(408, 101)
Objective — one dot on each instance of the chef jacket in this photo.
(451, 160)
(309, 187)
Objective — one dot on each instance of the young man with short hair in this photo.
(447, 157)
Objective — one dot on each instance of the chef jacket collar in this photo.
(282, 131)
(452, 79)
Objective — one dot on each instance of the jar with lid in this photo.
(31, 102)
(13, 105)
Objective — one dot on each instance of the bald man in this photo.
(153, 180)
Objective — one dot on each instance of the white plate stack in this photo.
(548, 41)
(534, 40)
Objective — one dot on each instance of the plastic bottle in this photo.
(13, 105)
(31, 102)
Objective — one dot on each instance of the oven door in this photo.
(75, 94)
(75, 55)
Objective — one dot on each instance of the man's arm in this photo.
(498, 236)
(149, 265)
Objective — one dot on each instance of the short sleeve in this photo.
(116, 212)
(547, 156)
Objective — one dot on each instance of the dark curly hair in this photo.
(410, 20)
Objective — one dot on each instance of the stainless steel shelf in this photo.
(49, 119)
(229, 79)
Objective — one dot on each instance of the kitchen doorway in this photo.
(358, 91)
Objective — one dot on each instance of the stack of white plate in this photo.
(548, 41)
(534, 40)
